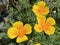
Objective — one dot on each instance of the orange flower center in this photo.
(21, 31)
(40, 10)
(46, 26)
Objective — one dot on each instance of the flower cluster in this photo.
(19, 31)
(46, 24)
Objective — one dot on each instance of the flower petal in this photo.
(37, 44)
(41, 20)
(41, 3)
(21, 39)
(18, 24)
(50, 30)
(28, 28)
(35, 10)
(35, 7)
(12, 32)
(46, 10)
(51, 21)
(38, 28)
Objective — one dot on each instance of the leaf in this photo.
(3, 34)
(11, 44)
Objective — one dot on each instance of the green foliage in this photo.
(24, 13)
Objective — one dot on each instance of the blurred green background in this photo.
(24, 13)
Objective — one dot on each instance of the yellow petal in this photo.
(50, 30)
(12, 32)
(41, 3)
(41, 20)
(38, 28)
(51, 21)
(21, 39)
(28, 28)
(46, 10)
(18, 24)
(37, 44)
(35, 9)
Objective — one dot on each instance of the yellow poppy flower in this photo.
(40, 8)
(37, 44)
(45, 24)
(19, 31)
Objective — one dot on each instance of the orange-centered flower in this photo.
(19, 31)
(40, 8)
(45, 24)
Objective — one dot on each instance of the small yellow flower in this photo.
(45, 24)
(19, 31)
(37, 44)
(40, 8)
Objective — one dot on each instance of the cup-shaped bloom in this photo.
(19, 31)
(46, 25)
(40, 8)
